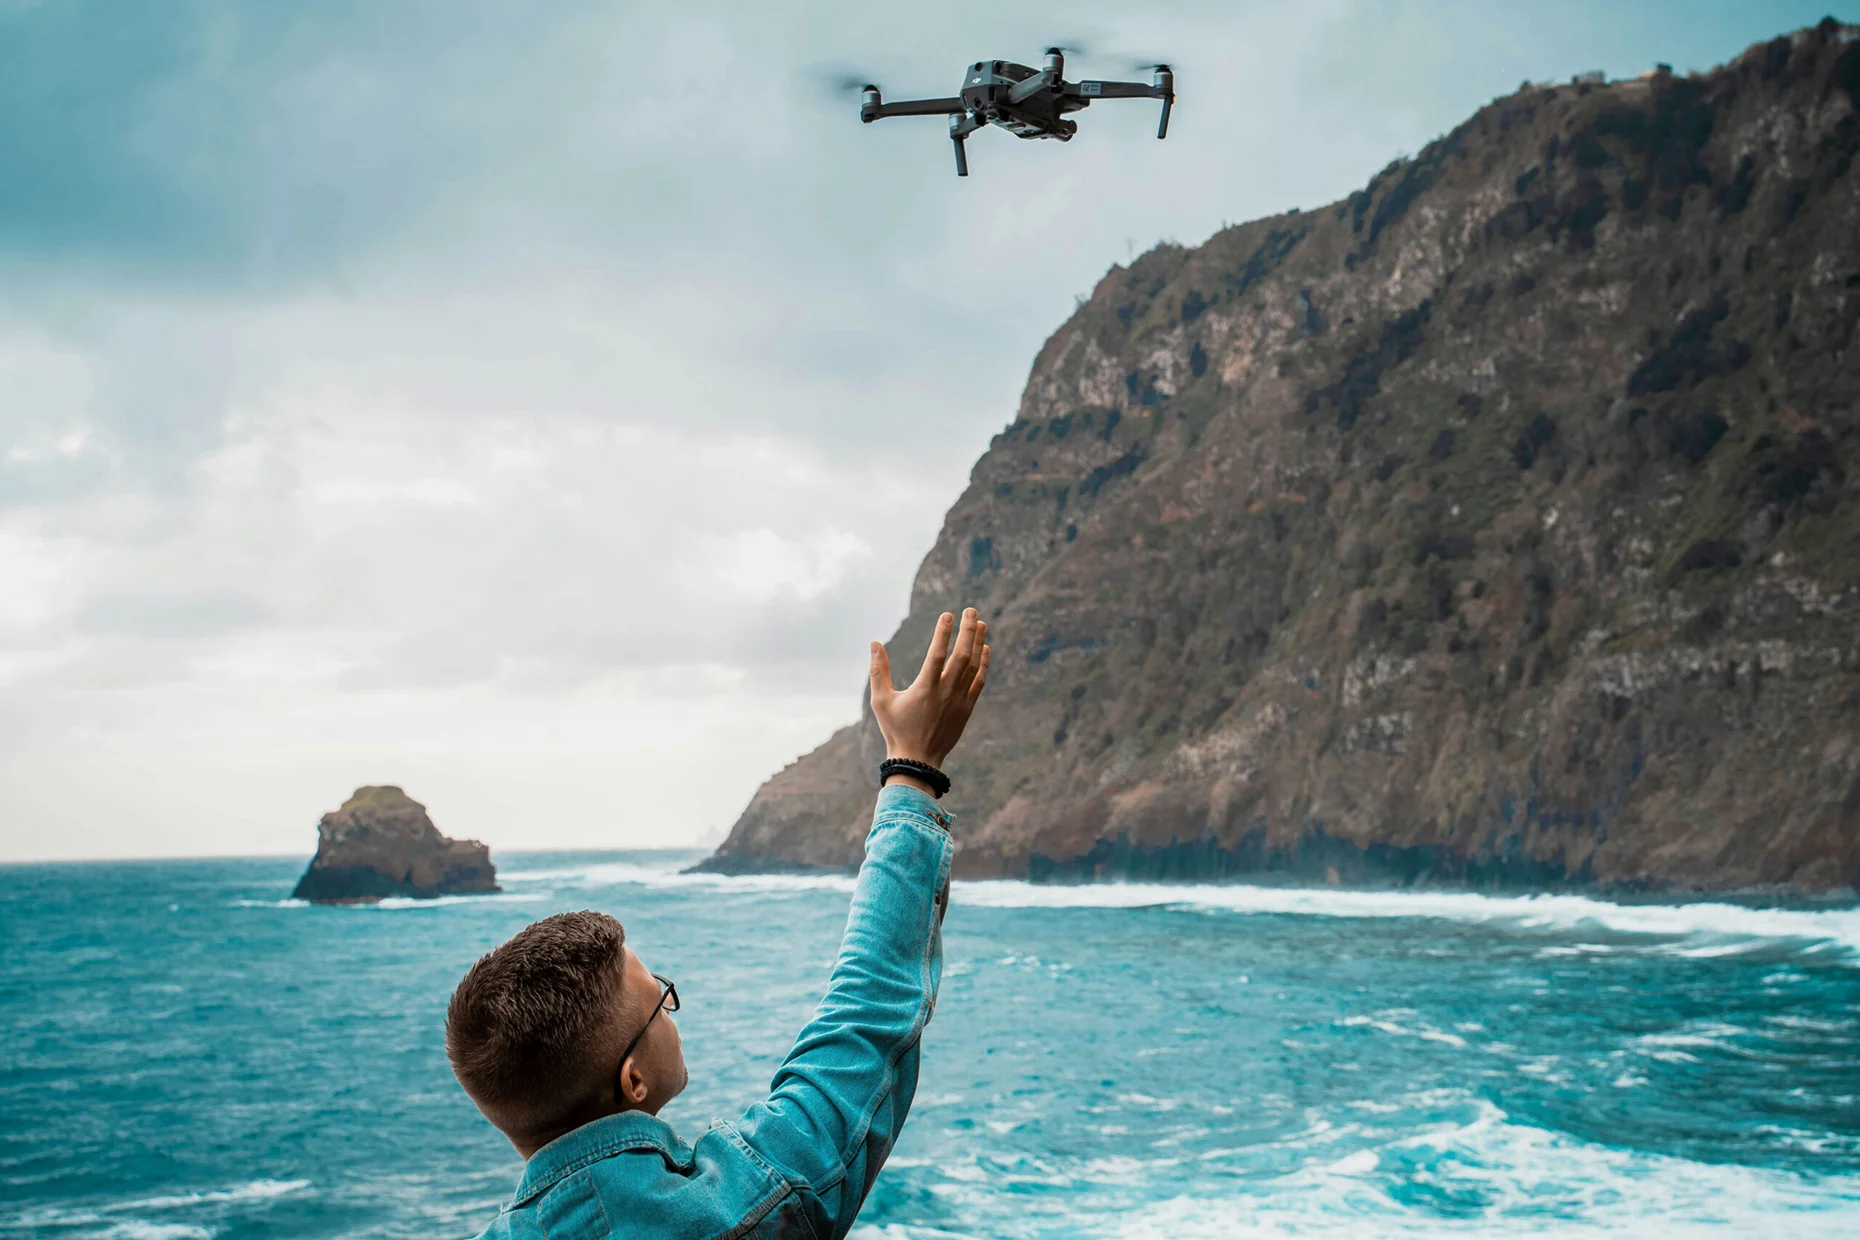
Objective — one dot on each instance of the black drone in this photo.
(1028, 103)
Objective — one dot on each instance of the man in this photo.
(565, 1041)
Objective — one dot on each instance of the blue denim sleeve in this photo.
(838, 1101)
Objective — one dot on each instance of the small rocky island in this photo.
(381, 843)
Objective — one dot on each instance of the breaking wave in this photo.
(115, 1219)
(625, 873)
(1700, 930)
(1483, 1175)
(391, 903)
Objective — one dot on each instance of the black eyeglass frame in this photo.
(668, 1002)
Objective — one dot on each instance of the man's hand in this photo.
(925, 721)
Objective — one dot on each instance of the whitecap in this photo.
(669, 876)
(1701, 929)
(110, 1212)
(254, 1190)
(1512, 1180)
(139, 1229)
(1389, 1022)
(394, 903)
(404, 902)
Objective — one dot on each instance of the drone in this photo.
(1027, 102)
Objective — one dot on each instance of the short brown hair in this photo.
(528, 1027)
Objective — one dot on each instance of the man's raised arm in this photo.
(839, 1100)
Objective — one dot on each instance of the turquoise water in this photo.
(186, 1053)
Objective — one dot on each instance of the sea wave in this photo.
(110, 1215)
(1508, 1180)
(137, 1229)
(1478, 1175)
(1694, 930)
(628, 873)
(502, 897)
(391, 903)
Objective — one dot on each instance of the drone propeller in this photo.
(1164, 78)
(1135, 62)
(838, 81)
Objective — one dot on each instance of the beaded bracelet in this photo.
(939, 782)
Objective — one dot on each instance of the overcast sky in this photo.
(539, 406)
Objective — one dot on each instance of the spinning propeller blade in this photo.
(839, 81)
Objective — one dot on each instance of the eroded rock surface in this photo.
(1497, 524)
(381, 843)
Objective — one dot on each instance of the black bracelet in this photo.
(939, 782)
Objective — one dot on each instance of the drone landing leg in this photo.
(962, 160)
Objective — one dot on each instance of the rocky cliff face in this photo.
(1497, 524)
(381, 843)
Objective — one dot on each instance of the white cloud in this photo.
(543, 419)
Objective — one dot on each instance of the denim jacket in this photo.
(800, 1162)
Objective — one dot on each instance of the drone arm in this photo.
(1113, 90)
(1163, 88)
(911, 107)
(1026, 90)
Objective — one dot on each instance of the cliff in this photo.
(1497, 524)
(381, 843)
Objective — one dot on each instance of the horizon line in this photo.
(283, 856)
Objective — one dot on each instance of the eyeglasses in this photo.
(668, 1002)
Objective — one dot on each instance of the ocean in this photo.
(186, 1053)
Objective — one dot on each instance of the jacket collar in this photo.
(611, 1134)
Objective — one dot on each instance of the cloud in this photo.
(197, 613)
(539, 406)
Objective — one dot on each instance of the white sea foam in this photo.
(1510, 1179)
(255, 1190)
(1480, 1177)
(137, 1229)
(625, 873)
(391, 903)
(1698, 930)
(1389, 1022)
(110, 1215)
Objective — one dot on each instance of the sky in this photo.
(540, 406)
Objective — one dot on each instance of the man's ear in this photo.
(632, 1086)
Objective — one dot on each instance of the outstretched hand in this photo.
(924, 721)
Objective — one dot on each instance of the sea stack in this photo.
(381, 843)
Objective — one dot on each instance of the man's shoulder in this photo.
(718, 1185)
